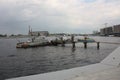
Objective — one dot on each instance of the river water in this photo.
(23, 62)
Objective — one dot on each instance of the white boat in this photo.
(35, 41)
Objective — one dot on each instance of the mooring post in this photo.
(62, 42)
(73, 44)
(72, 38)
(98, 45)
(85, 44)
(56, 42)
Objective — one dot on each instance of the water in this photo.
(22, 62)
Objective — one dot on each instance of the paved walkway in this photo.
(108, 74)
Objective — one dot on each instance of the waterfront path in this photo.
(107, 69)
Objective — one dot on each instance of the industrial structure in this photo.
(106, 31)
(37, 33)
(116, 30)
(113, 30)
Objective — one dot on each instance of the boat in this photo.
(34, 42)
(86, 39)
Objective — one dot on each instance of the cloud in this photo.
(58, 15)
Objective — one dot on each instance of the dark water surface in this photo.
(22, 62)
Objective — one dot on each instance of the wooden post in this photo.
(72, 38)
(62, 42)
(98, 45)
(55, 42)
(73, 49)
(73, 44)
(85, 44)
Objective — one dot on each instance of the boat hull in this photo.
(87, 40)
(31, 44)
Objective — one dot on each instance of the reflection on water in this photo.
(22, 62)
(73, 49)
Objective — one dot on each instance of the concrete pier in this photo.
(107, 69)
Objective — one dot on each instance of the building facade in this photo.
(116, 30)
(102, 32)
(109, 30)
(39, 33)
(106, 31)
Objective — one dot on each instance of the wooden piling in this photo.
(56, 42)
(72, 38)
(73, 44)
(98, 45)
(62, 42)
(85, 44)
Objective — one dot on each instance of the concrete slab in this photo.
(113, 59)
(108, 74)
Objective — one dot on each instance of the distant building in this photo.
(39, 33)
(102, 32)
(106, 31)
(116, 30)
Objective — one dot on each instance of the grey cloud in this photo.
(56, 15)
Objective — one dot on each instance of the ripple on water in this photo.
(23, 62)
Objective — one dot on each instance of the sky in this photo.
(57, 16)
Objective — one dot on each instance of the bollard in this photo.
(73, 44)
(72, 38)
(56, 42)
(98, 45)
(73, 49)
(61, 38)
(85, 44)
(63, 43)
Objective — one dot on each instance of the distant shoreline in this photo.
(14, 37)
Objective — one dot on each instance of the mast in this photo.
(29, 30)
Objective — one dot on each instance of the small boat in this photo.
(22, 45)
(86, 39)
(38, 41)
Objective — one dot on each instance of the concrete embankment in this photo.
(107, 69)
(112, 71)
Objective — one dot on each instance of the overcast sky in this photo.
(70, 16)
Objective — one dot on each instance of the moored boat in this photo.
(38, 41)
(86, 40)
